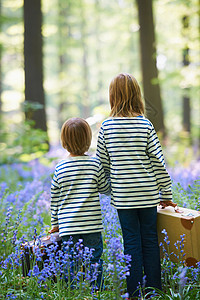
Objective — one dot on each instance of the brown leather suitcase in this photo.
(185, 222)
(29, 250)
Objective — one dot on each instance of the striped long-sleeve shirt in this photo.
(75, 188)
(131, 155)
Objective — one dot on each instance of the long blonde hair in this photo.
(125, 96)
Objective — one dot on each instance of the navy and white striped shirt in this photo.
(132, 157)
(75, 188)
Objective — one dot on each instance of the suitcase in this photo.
(29, 248)
(185, 222)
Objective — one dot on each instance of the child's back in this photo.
(75, 203)
(131, 154)
(75, 191)
(136, 164)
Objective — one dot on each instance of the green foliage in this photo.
(189, 197)
(29, 107)
(22, 142)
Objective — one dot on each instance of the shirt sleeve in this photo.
(154, 151)
(104, 186)
(55, 194)
(102, 153)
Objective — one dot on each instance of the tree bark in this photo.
(151, 86)
(98, 54)
(85, 111)
(186, 62)
(0, 65)
(33, 64)
(64, 61)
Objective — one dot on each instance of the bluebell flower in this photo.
(182, 277)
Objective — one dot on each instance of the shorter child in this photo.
(76, 184)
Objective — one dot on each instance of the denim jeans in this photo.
(139, 229)
(92, 241)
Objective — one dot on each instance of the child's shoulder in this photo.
(94, 159)
(82, 159)
(119, 120)
(88, 160)
(61, 163)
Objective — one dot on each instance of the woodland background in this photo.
(57, 58)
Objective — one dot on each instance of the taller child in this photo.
(131, 154)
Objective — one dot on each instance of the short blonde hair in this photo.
(76, 136)
(125, 96)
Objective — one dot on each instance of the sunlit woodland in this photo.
(57, 58)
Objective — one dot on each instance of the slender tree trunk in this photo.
(85, 111)
(61, 61)
(186, 62)
(98, 54)
(0, 64)
(63, 36)
(33, 64)
(148, 62)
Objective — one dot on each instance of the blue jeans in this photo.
(92, 241)
(139, 229)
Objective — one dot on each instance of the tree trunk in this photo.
(85, 107)
(98, 54)
(63, 37)
(0, 65)
(151, 86)
(186, 62)
(33, 64)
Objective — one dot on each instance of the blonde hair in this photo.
(125, 96)
(76, 136)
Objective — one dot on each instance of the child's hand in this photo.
(167, 203)
(54, 229)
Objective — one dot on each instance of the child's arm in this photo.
(102, 153)
(104, 186)
(55, 193)
(154, 152)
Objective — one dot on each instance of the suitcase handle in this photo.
(164, 204)
(178, 210)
